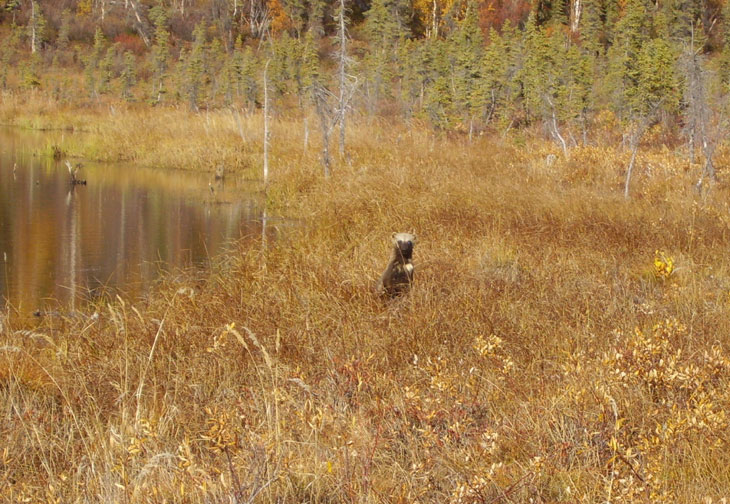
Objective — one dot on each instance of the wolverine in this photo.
(398, 275)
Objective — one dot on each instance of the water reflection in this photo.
(63, 242)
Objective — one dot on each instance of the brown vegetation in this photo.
(561, 344)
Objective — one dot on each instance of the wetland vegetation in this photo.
(563, 341)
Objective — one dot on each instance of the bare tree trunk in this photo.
(634, 142)
(634, 149)
(434, 21)
(33, 45)
(141, 22)
(266, 123)
(306, 131)
(708, 171)
(239, 124)
(691, 146)
(576, 9)
(264, 222)
(557, 134)
(342, 75)
(321, 105)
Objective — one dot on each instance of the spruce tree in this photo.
(623, 75)
(467, 45)
(30, 72)
(409, 73)
(250, 83)
(128, 76)
(280, 68)
(494, 73)
(160, 52)
(724, 60)
(236, 67)
(36, 27)
(538, 68)
(592, 28)
(658, 84)
(92, 62)
(215, 67)
(297, 12)
(382, 34)
(62, 40)
(438, 103)
(310, 63)
(106, 70)
(681, 20)
(195, 68)
(8, 50)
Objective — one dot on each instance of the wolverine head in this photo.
(404, 244)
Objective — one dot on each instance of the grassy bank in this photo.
(546, 351)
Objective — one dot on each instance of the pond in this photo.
(61, 243)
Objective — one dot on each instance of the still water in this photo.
(65, 244)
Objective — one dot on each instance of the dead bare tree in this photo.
(554, 127)
(330, 116)
(267, 133)
(703, 124)
(640, 125)
(345, 81)
(141, 25)
(258, 18)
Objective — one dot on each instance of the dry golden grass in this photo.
(548, 352)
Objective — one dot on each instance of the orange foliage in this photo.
(130, 42)
(493, 13)
(280, 20)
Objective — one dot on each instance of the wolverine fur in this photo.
(398, 275)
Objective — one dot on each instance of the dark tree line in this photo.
(462, 65)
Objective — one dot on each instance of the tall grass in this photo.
(547, 352)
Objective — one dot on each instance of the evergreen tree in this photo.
(129, 76)
(467, 47)
(62, 40)
(99, 45)
(537, 69)
(36, 27)
(30, 72)
(382, 33)
(106, 69)
(681, 17)
(215, 67)
(280, 66)
(317, 9)
(160, 51)
(611, 14)
(724, 60)
(658, 85)
(249, 81)
(310, 73)
(8, 50)
(297, 12)
(592, 28)
(236, 71)
(439, 98)
(195, 68)
(409, 74)
(93, 60)
(631, 33)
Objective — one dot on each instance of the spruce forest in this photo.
(563, 165)
(463, 66)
